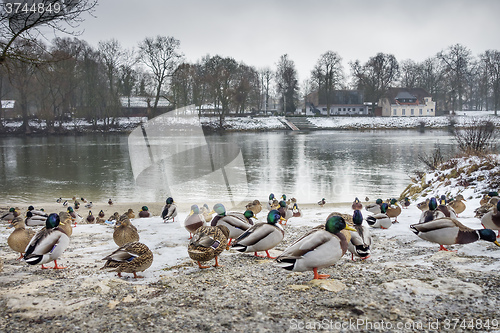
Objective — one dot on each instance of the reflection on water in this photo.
(336, 165)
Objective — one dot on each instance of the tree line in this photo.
(70, 78)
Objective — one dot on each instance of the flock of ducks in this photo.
(320, 247)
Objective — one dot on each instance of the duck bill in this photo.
(496, 243)
(350, 228)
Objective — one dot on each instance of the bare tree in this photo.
(492, 60)
(410, 72)
(376, 76)
(329, 73)
(160, 54)
(456, 60)
(286, 82)
(266, 76)
(29, 20)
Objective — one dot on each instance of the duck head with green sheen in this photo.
(273, 217)
(220, 209)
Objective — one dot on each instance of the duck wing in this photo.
(307, 243)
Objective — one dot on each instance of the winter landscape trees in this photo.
(70, 78)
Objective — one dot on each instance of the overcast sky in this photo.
(258, 32)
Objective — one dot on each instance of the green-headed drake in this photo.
(261, 236)
(374, 207)
(48, 244)
(237, 223)
(144, 212)
(317, 248)
(380, 220)
(169, 211)
(432, 212)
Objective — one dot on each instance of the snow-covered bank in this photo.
(231, 123)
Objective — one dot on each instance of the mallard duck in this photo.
(316, 249)
(393, 210)
(19, 239)
(485, 208)
(130, 258)
(113, 219)
(286, 213)
(255, 206)
(206, 212)
(34, 220)
(101, 214)
(77, 218)
(322, 202)
(76, 204)
(66, 222)
(125, 232)
(491, 220)
(448, 231)
(207, 243)
(406, 203)
(11, 214)
(59, 200)
(381, 220)
(194, 220)
(261, 236)
(65, 203)
(90, 218)
(130, 213)
(296, 211)
(457, 204)
(39, 212)
(374, 207)
(357, 205)
(360, 239)
(432, 213)
(347, 217)
(272, 203)
(110, 202)
(237, 223)
(169, 210)
(89, 205)
(83, 200)
(445, 209)
(48, 244)
(144, 212)
(424, 205)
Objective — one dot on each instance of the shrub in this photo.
(477, 138)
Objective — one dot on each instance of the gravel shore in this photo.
(405, 286)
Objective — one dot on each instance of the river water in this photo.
(335, 165)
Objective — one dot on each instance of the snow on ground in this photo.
(168, 242)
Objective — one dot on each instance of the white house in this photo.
(407, 102)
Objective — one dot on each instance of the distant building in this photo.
(407, 102)
(8, 109)
(342, 102)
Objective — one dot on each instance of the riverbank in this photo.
(271, 123)
(406, 283)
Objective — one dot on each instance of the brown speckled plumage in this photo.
(208, 242)
(125, 232)
(130, 258)
(20, 237)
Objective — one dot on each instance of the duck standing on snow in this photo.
(48, 244)
(296, 211)
(286, 213)
(206, 212)
(445, 209)
(207, 243)
(449, 231)
(424, 205)
(144, 212)
(322, 202)
(432, 213)
(491, 220)
(130, 258)
(381, 220)
(457, 204)
(194, 220)
(406, 203)
(34, 220)
(394, 210)
(236, 223)
(89, 205)
(90, 217)
(125, 232)
(74, 216)
(316, 249)
(374, 207)
(10, 215)
(357, 205)
(169, 210)
(261, 236)
(272, 203)
(19, 239)
(360, 239)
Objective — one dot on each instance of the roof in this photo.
(406, 93)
